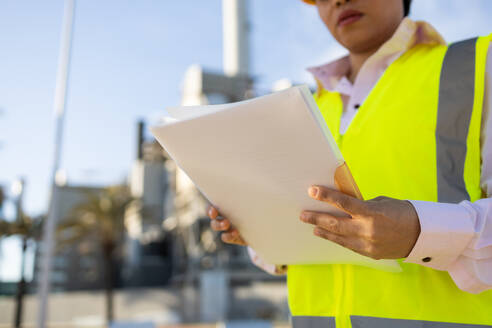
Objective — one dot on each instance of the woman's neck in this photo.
(356, 62)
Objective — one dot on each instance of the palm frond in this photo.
(101, 213)
(23, 226)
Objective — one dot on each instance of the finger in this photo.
(220, 225)
(353, 243)
(338, 225)
(233, 237)
(346, 203)
(213, 213)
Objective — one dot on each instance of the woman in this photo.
(421, 108)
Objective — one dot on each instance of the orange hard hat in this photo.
(310, 2)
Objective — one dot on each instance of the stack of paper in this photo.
(255, 160)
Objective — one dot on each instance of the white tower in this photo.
(235, 33)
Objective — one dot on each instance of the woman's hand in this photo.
(230, 234)
(381, 228)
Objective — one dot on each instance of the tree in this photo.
(102, 215)
(26, 228)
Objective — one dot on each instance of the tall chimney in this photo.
(236, 37)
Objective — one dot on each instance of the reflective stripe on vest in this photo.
(416, 136)
(370, 322)
(453, 119)
(313, 322)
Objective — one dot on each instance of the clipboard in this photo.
(255, 160)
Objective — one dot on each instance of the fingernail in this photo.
(313, 192)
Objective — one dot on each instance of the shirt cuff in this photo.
(466, 273)
(445, 232)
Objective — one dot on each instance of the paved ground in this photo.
(266, 301)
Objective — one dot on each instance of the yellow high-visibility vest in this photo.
(416, 136)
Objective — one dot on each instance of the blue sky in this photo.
(128, 62)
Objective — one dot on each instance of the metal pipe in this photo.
(140, 139)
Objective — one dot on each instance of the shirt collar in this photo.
(409, 34)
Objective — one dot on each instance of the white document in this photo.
(255, 160)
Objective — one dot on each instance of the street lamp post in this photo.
(59, 106)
